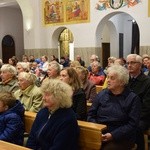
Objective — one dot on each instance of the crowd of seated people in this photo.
(20, 78)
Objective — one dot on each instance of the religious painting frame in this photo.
(56, 12)
(148, 8)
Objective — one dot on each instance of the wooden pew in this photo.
(9, 146)
(29, 119)
(146, 136)
(90, 133)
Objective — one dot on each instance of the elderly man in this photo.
(78, 58)
(140, 84)
(29, 94)
(8, 82)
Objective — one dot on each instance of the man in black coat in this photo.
(140, 84)
(82, 63)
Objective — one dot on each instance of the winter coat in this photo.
(11, 124)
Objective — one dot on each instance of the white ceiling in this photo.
(9, 3)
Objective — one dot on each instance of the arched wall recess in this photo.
(27, 13)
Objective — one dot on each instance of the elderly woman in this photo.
(23, 67)
(29, 94)
(9, 82)
(97, 76)
(88, 86)
(119, 109)
(55, 126)
(70, 76)
(52, 72)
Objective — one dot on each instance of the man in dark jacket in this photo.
(82, 63)
(140, 84)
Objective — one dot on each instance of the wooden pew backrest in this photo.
(29, 119)
(90, 133)
(9, 146)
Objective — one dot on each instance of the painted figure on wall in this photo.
(53, 12)
(102, 5)
(132, 2)
(115, 4)
(77, 10)
(65, 11)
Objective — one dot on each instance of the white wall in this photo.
(85, 34)
(123, 24)
(42, 35)
(11, 23)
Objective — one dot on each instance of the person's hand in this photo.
(106, 137)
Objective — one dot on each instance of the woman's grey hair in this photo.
(138, 58)
(61, 92)
(98, 64)
(112, 58)
(121, 72)
(9, 68)
(24, 65)
(55, 66)
(30, 77)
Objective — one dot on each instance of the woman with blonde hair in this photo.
(74, 64)
(55, 126)
(70, 76)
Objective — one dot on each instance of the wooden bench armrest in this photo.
(29, 119)
(9, 146)
(93, 126)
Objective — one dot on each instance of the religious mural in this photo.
(65, 11)
(115, 4)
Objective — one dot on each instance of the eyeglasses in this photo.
(132, 63)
